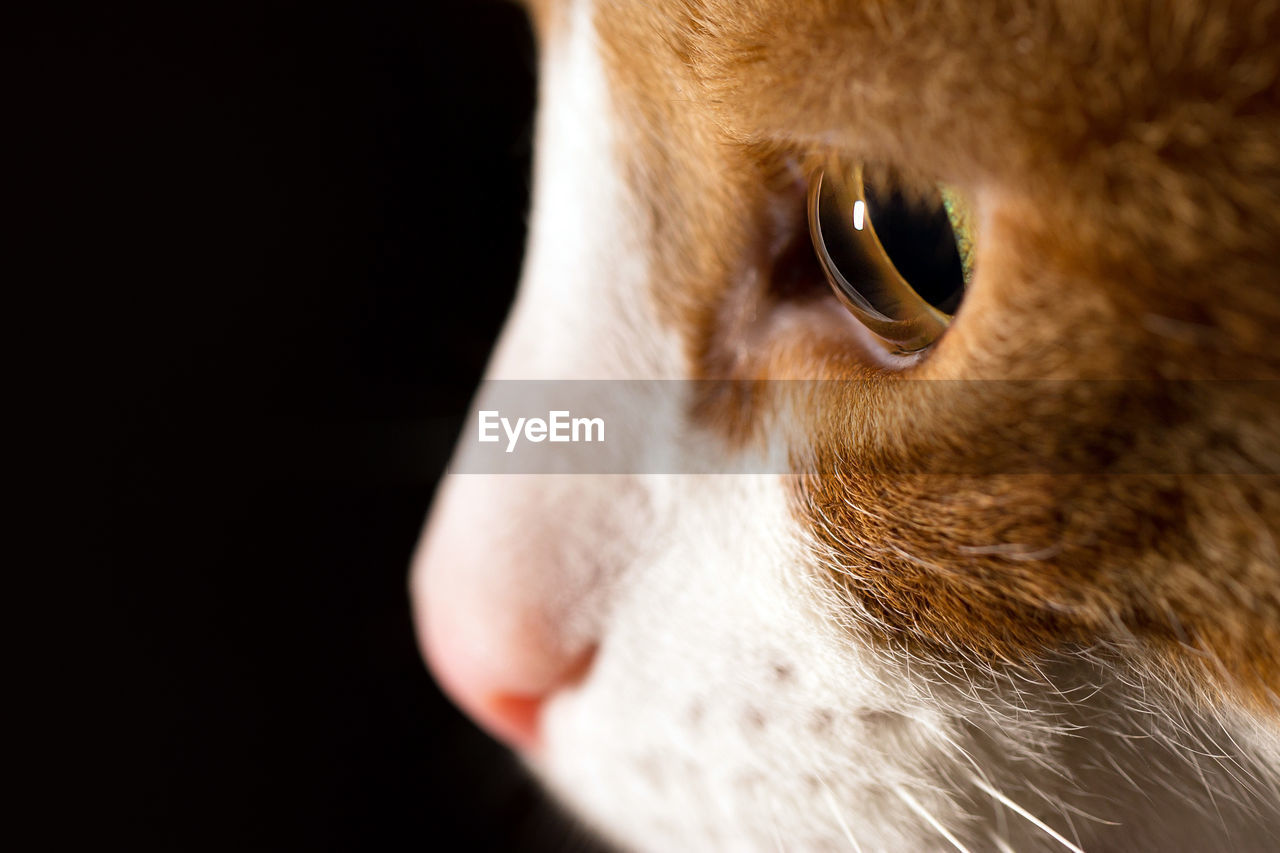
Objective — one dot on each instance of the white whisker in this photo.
(835, 810)
(920, 810)
(777, 835)
(1001, 845)
(1056, 836)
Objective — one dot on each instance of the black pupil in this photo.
(919, 240)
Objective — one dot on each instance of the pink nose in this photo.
(501, 675)
(488, 624)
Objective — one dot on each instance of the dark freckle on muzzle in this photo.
(821, 721)
(651, 769)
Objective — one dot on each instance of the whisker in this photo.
(777, 833)
(835, 810)
(920, 810)
(1048, 830)
(831, 803)
(1001, 845)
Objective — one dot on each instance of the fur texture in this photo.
(883, 651)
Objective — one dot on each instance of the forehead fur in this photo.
(1172, 101)
(1138, 136)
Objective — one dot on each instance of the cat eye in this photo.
(898, 257)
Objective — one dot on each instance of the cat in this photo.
(1020, 589)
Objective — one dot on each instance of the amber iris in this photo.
(898, 259)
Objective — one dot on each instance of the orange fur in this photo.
(1126, 157)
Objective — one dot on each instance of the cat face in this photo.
(1016, 588)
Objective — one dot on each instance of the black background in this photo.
(274, 243)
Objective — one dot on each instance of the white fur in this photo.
(585, 261)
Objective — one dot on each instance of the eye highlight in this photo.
(897, 257)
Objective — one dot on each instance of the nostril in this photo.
(513, 718)
(501, 679)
